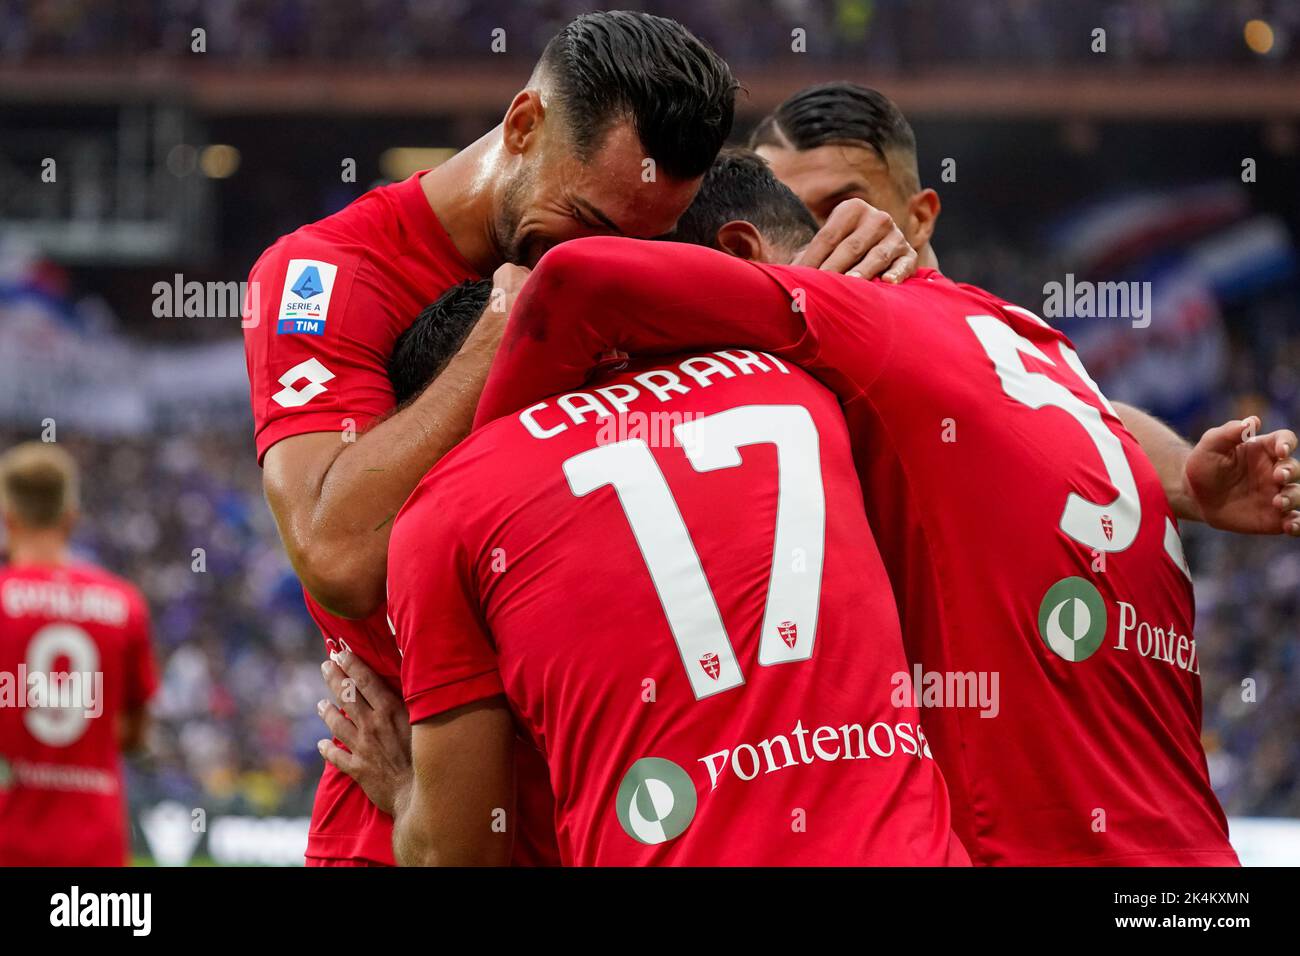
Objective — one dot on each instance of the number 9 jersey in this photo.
(74, 655)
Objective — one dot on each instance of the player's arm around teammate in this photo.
(333, 500)
(1230, 479)
(444, 781)
(376, 731)
(463, 779)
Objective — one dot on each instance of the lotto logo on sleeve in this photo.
(305, 302)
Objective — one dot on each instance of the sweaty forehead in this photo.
(622, 182)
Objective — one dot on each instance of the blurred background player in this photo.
(78, 672)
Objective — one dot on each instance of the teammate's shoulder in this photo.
(486, 450)
(1016, 314)
(304, 276)
(966, 290)
(1022, 321)
(471, 473)
(807, 280)
(428, 509)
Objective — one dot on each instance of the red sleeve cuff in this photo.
(325, 420)
(438, 700)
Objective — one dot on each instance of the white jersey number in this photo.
(51, 724)
(794, 587)
(1103, 526)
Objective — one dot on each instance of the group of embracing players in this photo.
(688, 536)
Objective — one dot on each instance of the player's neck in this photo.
(38, 548)
(926, 259)
(460, 194)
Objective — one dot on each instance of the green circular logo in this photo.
(656, 801)
(6, 774)
(1072, 619)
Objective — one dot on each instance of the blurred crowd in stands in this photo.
(889, 34)
(1248, 609)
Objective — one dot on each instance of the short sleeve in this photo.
(448, 659)
(313, 329)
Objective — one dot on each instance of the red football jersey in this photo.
(332, 299)
(74, 654)
(1028, 538)
(671, 578)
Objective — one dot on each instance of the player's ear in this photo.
(741, 239)
(923, 210)
(523, 121)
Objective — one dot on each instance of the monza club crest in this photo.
(712, 666)
(789, 632)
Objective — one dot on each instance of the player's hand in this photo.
(375, 730)
(481, 344)
(1245, 482)
(506, 283)
(859, 239)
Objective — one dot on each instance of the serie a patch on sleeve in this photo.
(305, 301)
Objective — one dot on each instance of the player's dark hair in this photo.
(844, 113)
(424, 349)
(678, 93)
(740, 185)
